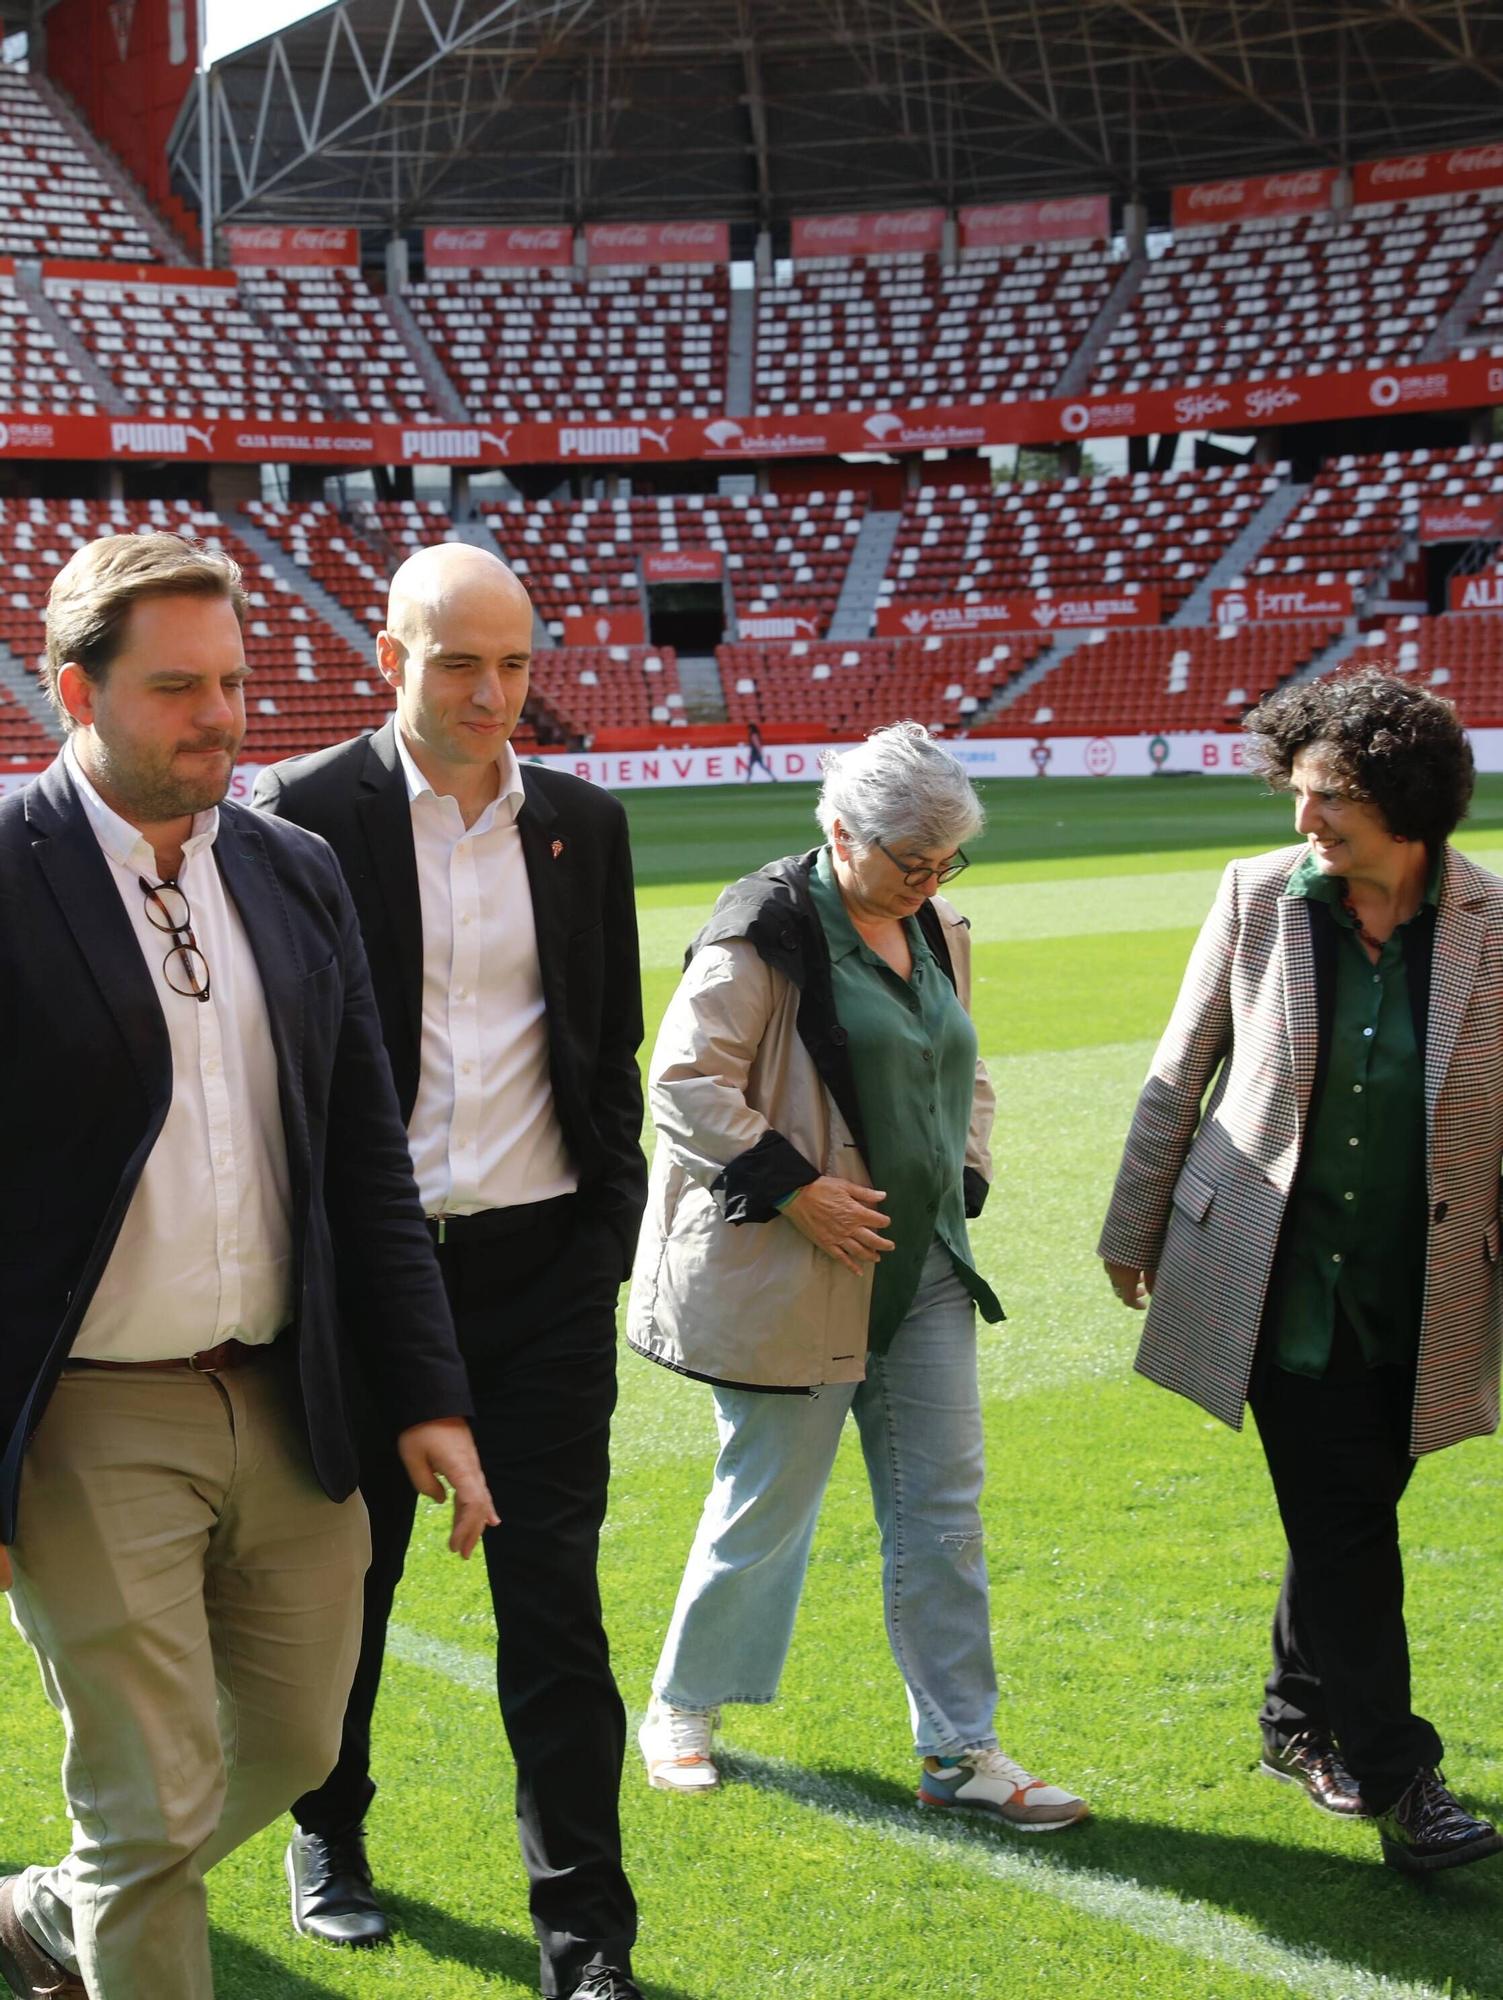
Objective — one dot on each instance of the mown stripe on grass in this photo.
(1195, 1929)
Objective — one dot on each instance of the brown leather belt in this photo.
(208, 1361)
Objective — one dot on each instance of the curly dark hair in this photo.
(1391, 743)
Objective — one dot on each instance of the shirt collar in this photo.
(840, 932)
(125, 844)
(507, 803)
(1307, 881)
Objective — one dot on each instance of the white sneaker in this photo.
(675, 1744)
(986, 1781)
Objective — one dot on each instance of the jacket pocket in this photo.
(1193, 1195)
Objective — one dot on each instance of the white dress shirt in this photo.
(205, 1251)
(483, 1132)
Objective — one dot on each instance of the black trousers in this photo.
(1338, 1452)
(535, 1308)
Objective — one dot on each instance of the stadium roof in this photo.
(399, 113)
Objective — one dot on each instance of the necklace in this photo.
(1372, 943)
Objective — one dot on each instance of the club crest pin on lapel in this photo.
(558, 848)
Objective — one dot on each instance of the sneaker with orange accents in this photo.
(985, 1781)
(675, 1744)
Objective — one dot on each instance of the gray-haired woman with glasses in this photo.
(822, 1125)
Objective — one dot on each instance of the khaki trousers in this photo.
(194, 1602)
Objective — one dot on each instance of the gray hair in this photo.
(900, 788)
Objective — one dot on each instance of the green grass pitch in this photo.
(1134, 1556)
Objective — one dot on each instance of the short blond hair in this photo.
(92, 595)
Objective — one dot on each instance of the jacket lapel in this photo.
(78, 875)
(1301, 1000)
(549, 879)
(1459, 929)
(385, 814)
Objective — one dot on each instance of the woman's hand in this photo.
(842, 1219)
(1132, 1286)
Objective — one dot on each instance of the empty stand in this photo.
(54, 202)
(35, 377)
(576, 348)
(1459, 656)
(185, 349)
(1192, 677)
(843, 689)
(1164, 529)
(865, 333)
(1361, 509)
(1309, 294)
(582, 556)
(339, 325)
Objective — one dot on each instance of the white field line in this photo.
(1195, 1929)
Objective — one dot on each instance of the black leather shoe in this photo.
(332, 1897)
(1312, 1761)
(29, 1971)
(606, 1982)
(1430, 1828)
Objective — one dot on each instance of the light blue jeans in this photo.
(919, 1415)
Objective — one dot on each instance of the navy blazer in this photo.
(578, 861)
(87, 1083)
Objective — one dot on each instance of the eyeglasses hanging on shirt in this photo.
(185, 968)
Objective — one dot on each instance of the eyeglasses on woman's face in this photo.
(918, 873)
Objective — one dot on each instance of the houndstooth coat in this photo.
(1201, 1194)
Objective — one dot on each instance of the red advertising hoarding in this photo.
(1481, 592)
(457, 247)
(907, 229)
(1465, 520)
(605, 628)
(682, 565)
(70, 270)
(1002, 225)
(1028, 611)
(1283, 598)
(283, 245)
(1207, 204)
(1455, 171)
(1230, 406)
(658, 242)
(787, 621)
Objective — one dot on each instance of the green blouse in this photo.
(1356, 1226)
(913, 1056)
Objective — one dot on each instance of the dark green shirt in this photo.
(1355, 1230)
(913, 1057)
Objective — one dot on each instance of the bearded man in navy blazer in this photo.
(209, 1194)
(496, 902)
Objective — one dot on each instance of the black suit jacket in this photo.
(578, 858)
(87, 1080)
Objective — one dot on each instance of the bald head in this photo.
(434, 582)
(457, 648)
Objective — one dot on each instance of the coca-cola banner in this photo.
(1027, 611)
(682, 565)
(1452, 172)
(786, 621)
(908, 229)
(282, 245)
(1260, 602)
(1207, 203)
(605, 628)
(1003, 225)
(457, 247)
(1482, 592)
(1464, 520)
(658, 242)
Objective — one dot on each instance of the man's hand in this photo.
(842, 1219)
(6, 1579)
(1132, 1286)
(444, 1450)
